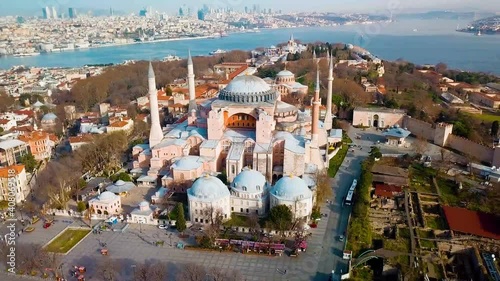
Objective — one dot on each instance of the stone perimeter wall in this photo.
(442, 134)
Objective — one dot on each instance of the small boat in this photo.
(171, 58)
(26, 54)
(218, 52)
(478, 33)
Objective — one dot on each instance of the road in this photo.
(331, 256)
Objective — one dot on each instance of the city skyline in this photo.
(34, 8)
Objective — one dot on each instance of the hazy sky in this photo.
(33, 7)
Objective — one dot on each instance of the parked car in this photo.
(47, 224)
(162, 226)
(341, 238)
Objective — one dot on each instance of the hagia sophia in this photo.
(269, 150)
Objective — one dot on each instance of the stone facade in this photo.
(378, 117)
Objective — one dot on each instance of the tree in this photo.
(253, 223)
(29, 162)
(180, 224)
(81, 206)
(494, 128)
(323, 186)
(107, 269)
(121, 176)
(281, 218)
(441, 67)
(420, 145)
(192, 272)
(150, 272)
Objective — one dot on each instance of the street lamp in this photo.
(133, 268)
(170, 236)
(140, 226)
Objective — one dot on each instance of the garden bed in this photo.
(65, 241)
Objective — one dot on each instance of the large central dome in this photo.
(247, 89)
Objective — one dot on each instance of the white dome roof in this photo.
(285, 73)
(119, 183)
(107, 196)
(49, 117)
(249, 179)
(187, 163)
(247, 89)
(143, 204)
(208, 188)
(291, 188)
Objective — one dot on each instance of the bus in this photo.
(350, 193)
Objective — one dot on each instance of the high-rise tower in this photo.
(315, 113)
(156, 134)
(191, 86)
(328, 115)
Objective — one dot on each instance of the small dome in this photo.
(187, 163)
(290, 188)
(143, 204)
(119, 183)
(250, 181)
(107, 196)
(49, 117)
(208, 188)
(247, 89)
(285, 73)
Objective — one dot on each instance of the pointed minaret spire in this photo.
(328, 55)
(156, 134)
(315, 112)
(314, 55)
(191, 85)
(328, 115)
(291, 37)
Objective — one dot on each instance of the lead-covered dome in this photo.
(291, 188)
(208, 188)
(247, 89)
(107, 196)
(285, 73)
(250, 181)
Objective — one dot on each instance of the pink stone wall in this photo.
(419, 128)
(385, 119)
(477, 151)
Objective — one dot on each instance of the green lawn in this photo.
(486, 117)
(337, 160)
(67, 240)
(437, 223)
(421, 178)
(447, 190)
(428, 235)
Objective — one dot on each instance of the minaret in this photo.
(315, 113)
(328, 115)
(156, 134)
(192, 95)
(314, 55)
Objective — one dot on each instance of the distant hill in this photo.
(445, 15)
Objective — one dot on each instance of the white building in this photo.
(293, 192)
(7, 124)
(144, 214)
(207, 196)
(249, 193)
(16, 176)
(106, 203)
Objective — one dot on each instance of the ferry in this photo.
(26, 55)
(171, 58)
(217, 52)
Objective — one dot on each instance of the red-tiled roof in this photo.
(387, 191)
(471, 222)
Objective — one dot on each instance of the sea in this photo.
(418, 41)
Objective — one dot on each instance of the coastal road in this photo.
(331, 256)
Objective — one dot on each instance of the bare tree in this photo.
(323, 187)
(107, 269)
(192, 272)
(253, 222)
(420, 145)
(150, 272)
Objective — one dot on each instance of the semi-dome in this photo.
(247, 89)
(250, 181)
(208, 188)
(49, 117)
(285, 73)
(187, 163)
(291, 188)
(119, 183)
(107, 196)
